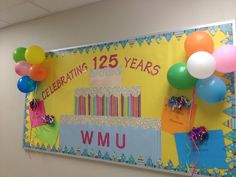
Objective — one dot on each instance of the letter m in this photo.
(104, 141)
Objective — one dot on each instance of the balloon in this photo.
(198, 41)
(22, 68)
(201, 65)
(34, 55)
(211, 90)
(26, 85)
(225, 57)
(38, 72)
(19, 54)
(179, 77)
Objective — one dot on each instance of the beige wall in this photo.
(103, 21)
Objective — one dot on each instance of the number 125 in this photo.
(103, 61)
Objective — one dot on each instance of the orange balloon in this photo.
(198, 41)
(38, 72)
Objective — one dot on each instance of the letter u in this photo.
(121, 146)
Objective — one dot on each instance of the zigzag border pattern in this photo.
(25, 129)
(230, 111)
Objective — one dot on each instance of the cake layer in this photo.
(146, 123)
(108, 91)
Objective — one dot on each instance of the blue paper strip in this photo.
(211, 154)
(139, 142)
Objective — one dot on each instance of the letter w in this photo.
(104, 141)
(86, 137)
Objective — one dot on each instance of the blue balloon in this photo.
(26, 84)
(211, 90)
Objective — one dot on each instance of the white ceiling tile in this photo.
(4, 4)
(3, 24)
(60, 5)
(22, 12)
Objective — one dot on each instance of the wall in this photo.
(103, 21)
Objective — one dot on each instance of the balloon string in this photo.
(191, 109)
(194, 142)
(189, 129)
(35, 91)
(188, 156)
(34, 114)
(196, 161)
(191, 117)
(35, 102)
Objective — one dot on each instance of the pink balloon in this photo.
(22, 68)
(225, 57)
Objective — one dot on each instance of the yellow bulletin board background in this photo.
(144, 62)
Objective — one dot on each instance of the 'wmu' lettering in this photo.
(103, 140)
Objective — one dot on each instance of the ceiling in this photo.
(16, 11)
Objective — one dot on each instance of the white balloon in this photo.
(201, 65)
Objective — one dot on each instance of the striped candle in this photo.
(108, 105)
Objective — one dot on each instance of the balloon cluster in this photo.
(199, 135)
(49, 119)
(203, 61)
(179, 102)
(29, 66)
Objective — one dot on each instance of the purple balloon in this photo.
(225, 57)
(22, 68)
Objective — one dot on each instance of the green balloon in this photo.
(19, 54)
(179, 77)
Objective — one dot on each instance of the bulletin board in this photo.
(110, 104)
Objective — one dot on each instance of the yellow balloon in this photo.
(34, 55)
